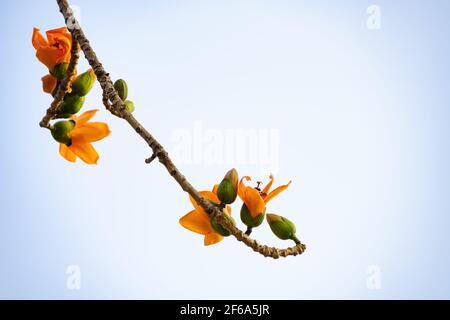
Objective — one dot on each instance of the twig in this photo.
(115, 105)
(63, 87)
(150, 160)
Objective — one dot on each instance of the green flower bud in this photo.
(227, 191)
(60, 131)
(71, 104)
(121, 88)
(281, 227)
(60, 70)
(248, 220)
(219, 228)
(84, 83)
(129, 105)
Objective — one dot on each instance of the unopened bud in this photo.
(129, 105)
(121, 88)
(59, 71)
(247, 218)
(281, 227)
(84, 83)
(71, 104)
(221, 229)
(60, 131)
(227, 190)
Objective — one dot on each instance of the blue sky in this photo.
(356, 118)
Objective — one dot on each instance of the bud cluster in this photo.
(122, 90)
(73, 100)
(227, 192)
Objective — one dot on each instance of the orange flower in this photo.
(56, 49)
(255, 199)
(198, 220)
(81, 136)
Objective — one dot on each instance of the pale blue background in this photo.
(363, 118)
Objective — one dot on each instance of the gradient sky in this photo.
(357, 118)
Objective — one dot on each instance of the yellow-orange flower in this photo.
(81, 137)
(198, 220)
(55, 49)
(255, 199)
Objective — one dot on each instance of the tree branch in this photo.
(115, 105)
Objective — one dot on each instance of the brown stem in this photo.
(63, 87)
(115, 105)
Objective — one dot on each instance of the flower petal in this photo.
(208, 195)
(254, 202)
(84, 117)
(275, 192)
(242, 186)
(268, 186)
(63, 31)
(48, 56)
(212, 238)
(215, 188)
(85, 151)
(90, 132)
(196, 221)
(64, 50)
(38, 40)
(66, 153)
(49, 83)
